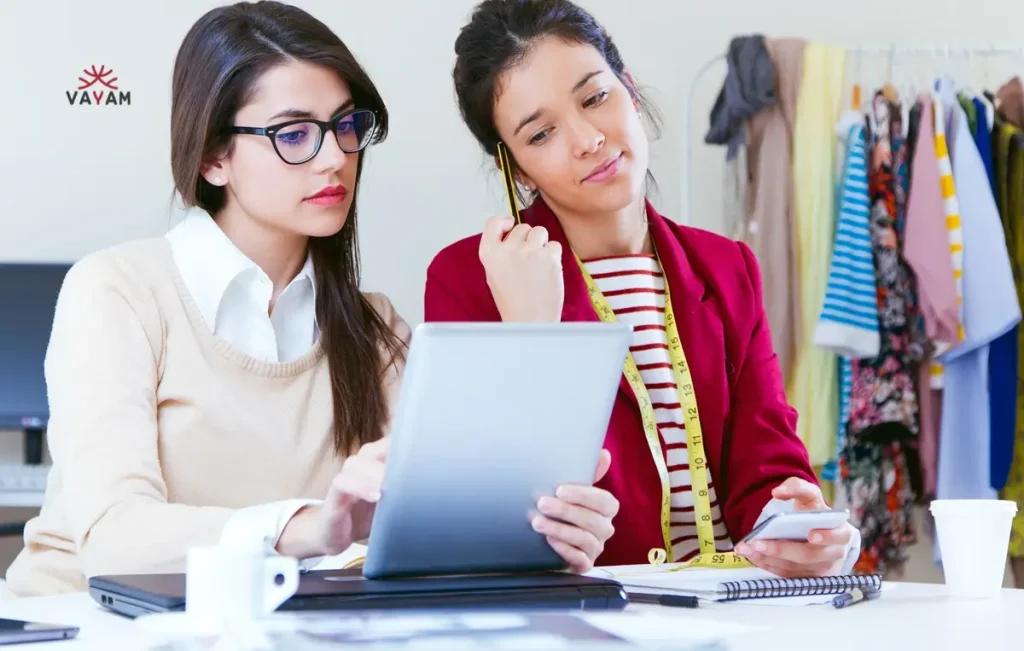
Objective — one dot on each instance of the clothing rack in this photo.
(895, 53)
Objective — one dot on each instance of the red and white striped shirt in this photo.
(635, 289)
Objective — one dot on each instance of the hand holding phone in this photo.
(797, 525)
(810, 540)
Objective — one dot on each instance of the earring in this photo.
(216, 180)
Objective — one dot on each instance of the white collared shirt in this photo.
(233, 295)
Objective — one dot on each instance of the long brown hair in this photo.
(216, 71)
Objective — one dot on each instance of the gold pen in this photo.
(510, 187)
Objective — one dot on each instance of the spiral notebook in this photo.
(737, 584)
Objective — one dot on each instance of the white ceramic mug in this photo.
(232, 584)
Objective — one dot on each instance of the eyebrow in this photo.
(536, 114)
(301, 113)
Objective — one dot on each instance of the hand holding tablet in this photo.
(577, 521)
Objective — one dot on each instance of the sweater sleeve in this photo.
(266, 522)
(761, 444)
(102, 369)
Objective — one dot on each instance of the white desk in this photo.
(909, 617)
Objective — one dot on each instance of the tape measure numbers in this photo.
(709, 555)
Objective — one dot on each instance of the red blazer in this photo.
(749, 428)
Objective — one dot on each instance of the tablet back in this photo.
(491, 417)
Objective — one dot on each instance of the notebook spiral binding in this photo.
(823, 585)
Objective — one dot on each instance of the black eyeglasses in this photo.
(299, 141)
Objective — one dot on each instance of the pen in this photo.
(668, 600)
(510, 185)
(855, 596)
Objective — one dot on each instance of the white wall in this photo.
(74, 179)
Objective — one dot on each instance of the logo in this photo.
(98, 88)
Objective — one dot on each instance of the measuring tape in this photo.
(709, 555)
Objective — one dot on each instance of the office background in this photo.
(76, 178)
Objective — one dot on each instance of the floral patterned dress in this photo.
(882, 422)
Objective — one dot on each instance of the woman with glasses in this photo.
(228, 381)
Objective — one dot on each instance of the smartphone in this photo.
(797, 525)
(15, 631)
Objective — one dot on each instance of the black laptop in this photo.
(142, 594)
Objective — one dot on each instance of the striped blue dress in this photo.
(848, 323)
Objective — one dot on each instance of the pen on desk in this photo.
(854, 596)
(668, 600)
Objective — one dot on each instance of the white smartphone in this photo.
(797, 525)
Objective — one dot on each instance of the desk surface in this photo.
(910, 616)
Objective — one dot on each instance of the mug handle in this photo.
(282, 581)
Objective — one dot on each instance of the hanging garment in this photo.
(920, 343)
(1002, 361)
(883, 400)
(749, 87)
(927, 252)
(770, 231)
(735, 198)
(1008, 142)
(954, 228)
(1013, 489)
(967, 104)
(990, 309)
(849, 320)
(812, 390)
(848, 323)
(916, 339)
(913, 131)
(1010, 101)
(983, 140)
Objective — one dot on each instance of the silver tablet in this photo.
(491, 416)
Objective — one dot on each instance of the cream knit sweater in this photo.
(159, 430)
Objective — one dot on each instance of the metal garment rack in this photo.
(896, 54)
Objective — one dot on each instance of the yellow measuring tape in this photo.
(709, 556)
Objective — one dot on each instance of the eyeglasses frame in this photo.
(329, 126)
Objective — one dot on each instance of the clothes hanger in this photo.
(888, 89)
(855, 113)
(855, 98)
(906, 97)
(986, 69)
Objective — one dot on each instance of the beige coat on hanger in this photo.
(770, 227)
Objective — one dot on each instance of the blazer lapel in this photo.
(698, 323)
(576, 306)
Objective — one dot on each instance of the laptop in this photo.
(143, 594)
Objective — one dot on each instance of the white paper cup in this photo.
(974, 536)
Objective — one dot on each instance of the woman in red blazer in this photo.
(543, 78)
